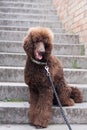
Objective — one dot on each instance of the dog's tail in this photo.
(76, 95)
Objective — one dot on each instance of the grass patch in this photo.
(75, 65)
(82, 52)
(12, 100)
(72, 32)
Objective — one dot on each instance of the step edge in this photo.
(82, 105)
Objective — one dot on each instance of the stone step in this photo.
(25, 28)
(29, 23)
(58, 37)
(67, 49)
(77, 62)
(26, 4)
(12, 59)
(76, 76)
(28, 1)
(61, 49)
(17, 113)
(50, 127)
(12, 91)
(69, 61)
(28, 17)
(27, 10)
(16, 74)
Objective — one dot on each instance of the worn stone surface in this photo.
(17, 28)
(69, 49)
(11, 74)
(11, 46)
(74, 114)
(27, 10)
(14, 92)
(14, 112)
(27, 16)
(50, 127)
(19, 59)
(59, 49)
(23, 22)
(19, 36)
(77, 76)
(10, 91)
(75, 62)
(16, 74)
(32, 1)
(18, 113)
(26, 5)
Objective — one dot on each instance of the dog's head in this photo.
(38, 43)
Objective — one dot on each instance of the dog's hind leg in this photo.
(76, 95)
(64, 93)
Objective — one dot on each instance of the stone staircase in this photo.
(16, 16)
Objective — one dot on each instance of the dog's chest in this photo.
(38, 75)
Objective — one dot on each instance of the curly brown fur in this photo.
(38, 45)
(76, 95)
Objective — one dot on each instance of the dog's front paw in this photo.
(40, 127)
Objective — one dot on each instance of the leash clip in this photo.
(47, 70)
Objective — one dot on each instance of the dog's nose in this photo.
(41, 47)
(42, 53)
(39, 50)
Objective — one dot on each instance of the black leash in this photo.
(58, 100)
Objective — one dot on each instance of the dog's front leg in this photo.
(44, 107)
(33, 102)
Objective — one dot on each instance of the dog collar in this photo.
(38, 62)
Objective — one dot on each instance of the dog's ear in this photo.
(27, 44)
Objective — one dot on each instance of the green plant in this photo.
(74, 64)
(12, 100)
(72, 32)
(82, 52)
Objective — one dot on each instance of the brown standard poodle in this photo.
(38, 45)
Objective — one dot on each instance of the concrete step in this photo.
(25, 28)
(26, 4)
(12, 91)
(30, 23)
(60, 49)
(69, 61)
(17, 113)
(11, 46)
(76, 76)
(16, 74)
(6, 59)
(27, 10)
(28, 1)
(50, 127)
(58, 37)
(28, 17)
(69, 49)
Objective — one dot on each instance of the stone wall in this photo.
(73, 14)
